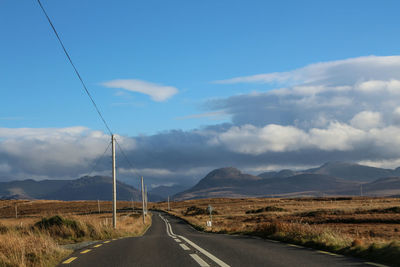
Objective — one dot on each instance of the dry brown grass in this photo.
(23, 242)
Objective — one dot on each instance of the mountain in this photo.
(222, 182)
(165, 191)
(382, 187)
(281, 174)
(30, 189)
(84, 188)
(245, 185)
(354, 172)
(225, 177)
(335, 178)
(344, 170)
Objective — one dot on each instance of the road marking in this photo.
(329, 253)
(105, 242)
(199, 260)
(184, 247)
(85, 251)
(201, 250)
(295, 246)
(99, 245)
(376, 264)
(205, 252)
(170, 229)
(69, 260)
(177, 240)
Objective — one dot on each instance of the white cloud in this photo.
(366, 120)
(157, 92)
(330, 73)
(249, 139)
(49, 152)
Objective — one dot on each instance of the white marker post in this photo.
(210, 210)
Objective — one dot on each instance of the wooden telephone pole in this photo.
(114, 183)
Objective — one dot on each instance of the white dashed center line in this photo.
(199, 260)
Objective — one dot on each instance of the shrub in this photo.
(58, 226)
(266, 209)
(194, 210)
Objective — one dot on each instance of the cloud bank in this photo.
(346, 110)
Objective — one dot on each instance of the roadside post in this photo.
(209, 223)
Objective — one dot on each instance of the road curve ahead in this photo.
(172, 242)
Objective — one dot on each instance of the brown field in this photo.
(24, 242)
(358, 226)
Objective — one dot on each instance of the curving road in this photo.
(172, 242)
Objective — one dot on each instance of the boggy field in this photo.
(40, 232)
(361, 226)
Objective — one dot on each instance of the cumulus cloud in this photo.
(51, 152)
(157, 92)
(366, 120)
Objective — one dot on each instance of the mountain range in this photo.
(84, 188)
(330, 179)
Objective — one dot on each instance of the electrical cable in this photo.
(76, 70)
(85, 89)
(127, 159)
(98, 160)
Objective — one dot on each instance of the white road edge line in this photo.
(376, 264)
(184, 247)
(199, 260)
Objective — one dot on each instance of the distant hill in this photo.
(344, 170)
(354, 172)
(165, 191)
(84, 188)
(382, 187)
(30, 189)
(336, 178)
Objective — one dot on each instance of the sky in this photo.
(189, 86)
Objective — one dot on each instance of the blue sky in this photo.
(173, 52)
(184, 44)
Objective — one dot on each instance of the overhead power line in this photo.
(87, 92)
(98, 160)
(75, 69)
(127, 159)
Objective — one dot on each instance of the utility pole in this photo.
(168, 204)
(361, 190)
(16, 211)
(143, 200)
(145, 196)
(114, 183)
(98, 205)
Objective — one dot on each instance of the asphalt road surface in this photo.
(172, 242)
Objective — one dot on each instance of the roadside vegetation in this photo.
(37, 238)
(359, 226)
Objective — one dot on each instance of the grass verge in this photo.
(39, 244)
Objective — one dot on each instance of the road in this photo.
(172, 242)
